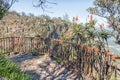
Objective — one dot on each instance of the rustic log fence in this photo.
(86, 61)
(24, 44)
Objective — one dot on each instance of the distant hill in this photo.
(15, 24)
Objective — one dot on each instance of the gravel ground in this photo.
(43, 68)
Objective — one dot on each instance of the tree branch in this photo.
(42, 4)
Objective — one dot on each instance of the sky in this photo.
(70, 7)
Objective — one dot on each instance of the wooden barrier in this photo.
(89, 48)
(81, 58)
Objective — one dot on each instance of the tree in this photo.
(4, 6)
(23, 14)
(110, 10)
(31, 14)
(42, 4)
(66, 17)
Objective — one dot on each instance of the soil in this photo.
(43, 67)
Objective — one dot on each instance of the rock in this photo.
(52, 65)
(2, 78)
(11, 53)
(50, 69)
(49, 78)
(58, 72)
(44, 74)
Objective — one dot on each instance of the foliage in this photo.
(87, 61)
(83, 50)
(4, 6)
(11, 70)
(110, 10)
(87, 34)
(112, 77)
(15, 24)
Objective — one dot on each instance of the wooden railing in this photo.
(86, 61)
(24, 44)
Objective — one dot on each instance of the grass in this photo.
(112, 76)
(11, 71)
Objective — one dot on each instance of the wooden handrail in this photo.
(97, 51)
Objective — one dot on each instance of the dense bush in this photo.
(11, 71)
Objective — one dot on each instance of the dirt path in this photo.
(43, 68)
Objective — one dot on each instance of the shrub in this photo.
(11, 71)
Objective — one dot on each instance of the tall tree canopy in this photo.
(110, 10)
